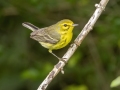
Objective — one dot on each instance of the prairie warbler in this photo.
(53, 37)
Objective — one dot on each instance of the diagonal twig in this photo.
(88, 27)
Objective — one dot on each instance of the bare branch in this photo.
(88, 27)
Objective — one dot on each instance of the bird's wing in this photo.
(46, 35)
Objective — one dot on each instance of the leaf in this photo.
(115, 82)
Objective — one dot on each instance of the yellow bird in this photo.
(53, 37)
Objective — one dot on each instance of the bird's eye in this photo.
(65, 25)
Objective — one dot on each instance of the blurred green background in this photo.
(23, 61)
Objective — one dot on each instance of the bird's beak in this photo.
(75, 25)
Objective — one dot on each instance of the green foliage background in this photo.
(23, 62)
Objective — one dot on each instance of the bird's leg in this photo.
(60, 59)
(55, 55)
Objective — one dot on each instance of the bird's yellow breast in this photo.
(65, 39)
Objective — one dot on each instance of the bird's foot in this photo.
(63, 60)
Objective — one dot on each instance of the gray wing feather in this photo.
(47, 35)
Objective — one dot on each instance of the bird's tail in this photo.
(30, 26)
